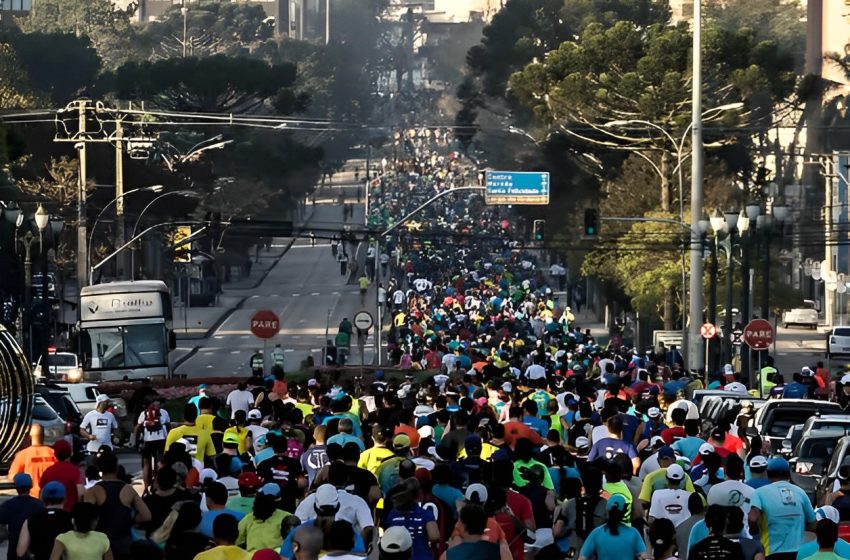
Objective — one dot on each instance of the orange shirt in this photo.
(410, 432)
(517, 430)
(492, 532)
(33, 460)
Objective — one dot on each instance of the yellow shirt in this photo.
(224, 553)
(487, 451)
(196, 436)
(205, 422)
(242, 446)
(372, 458)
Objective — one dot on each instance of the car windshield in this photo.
(62, 360)
(42, 411)
(841, 331)
(785, 419)
(817, 448)
(125, 347)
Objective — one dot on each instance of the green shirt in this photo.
(256, 535)
(623, 490)
(519, 481)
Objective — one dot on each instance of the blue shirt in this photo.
(608, 447)
(605, 546)
(795, 391)
(757, 482)
(414, 521)
(207, 518)
(689, 446)
(341, 439)
(842, 548)
(785, 511)
(698, 532)
(286, 547)
(449, 495)
(537, 424)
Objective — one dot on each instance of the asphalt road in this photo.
(306, 290)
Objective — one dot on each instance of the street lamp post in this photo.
(766, 224)
(746, 225)
(192, 194)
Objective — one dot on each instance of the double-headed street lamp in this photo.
(187, 193)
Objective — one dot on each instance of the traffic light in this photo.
(539, 230)
(591, 221)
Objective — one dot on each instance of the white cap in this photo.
(327, 495)
(845, 379)
(807, 371)
(426, 431)
(706, 449)
(207, 474)
(758, 462)
(656, 440)
(101, 398)
(396, 540)
(582, 442)
(507, 387)
(736, 387)
(422, 410)
(727, 369)
(654, 412)
(255, 414)
(675, 472)
(476, 493)
(828, 512)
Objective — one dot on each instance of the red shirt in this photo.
(672, 434)
(70, 476)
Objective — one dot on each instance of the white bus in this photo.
(126, 330)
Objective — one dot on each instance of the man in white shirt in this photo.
(240, 399)
(732, 491)
(671, 502)
(349, 507)
(254, 419)
(535, 371)
(99, 423)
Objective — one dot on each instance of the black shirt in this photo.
(160, 507)
(44, 527)
(360, 481)
(13, 513)
(716, 548)
(285, 471)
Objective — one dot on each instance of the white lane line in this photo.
(288, 350)
(296, 295)
(315, 294)
(236, 351)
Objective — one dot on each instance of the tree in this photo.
(59, 65)
(108, 27)
(15, 89)
(217, 83)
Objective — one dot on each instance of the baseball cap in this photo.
(230, 438)
(827, 512)
(53, 491)
(249, 480)
(675, 472)
(736, 387)
(255, 414)
(22, 480)
(507, 387)
(101, 398)
(270, 489)
(62, 449)
(207, 474)
(266, 554)
(582, 442)
(845, 379)
(706, 449)
(327, 496)
(807, 371)
(401, 441)
(312, 383)
(656, 441)
(476, 493)
(718, 434)
(202, 386)
(616, 501)
(666, 452)
(778, 464)
(426, 431)
(653, 412)
(396, 539)
(758, 462)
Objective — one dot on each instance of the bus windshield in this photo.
(126, 346)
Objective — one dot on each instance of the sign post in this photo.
(516, 187)
(758, 335)
(707, 331)
(363, 321)
(265, 324)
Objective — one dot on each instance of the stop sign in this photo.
(265, 324)
(758, 334)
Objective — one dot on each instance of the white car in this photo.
(83, 394)
(804, 316)
(61, 366)
(838, 341)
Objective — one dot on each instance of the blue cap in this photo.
(778, 464)
(53, 491)
(22, 480)
(236, 465)
(270, 489)
(616, 501)
(202, 386)
(666, 452)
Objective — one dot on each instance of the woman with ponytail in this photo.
(662, 539)
(615, 540)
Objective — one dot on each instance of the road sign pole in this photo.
(265, 354)
(706, 361)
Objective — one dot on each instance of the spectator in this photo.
(15, 511)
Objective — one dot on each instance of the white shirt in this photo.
(100, 425)
(160, 435)
(351, 508)
(670, 503)
(732, 493)
(535, 371)
(382, 295)
(239, 400)
(599, 432)
(256, 431)
(398, 297)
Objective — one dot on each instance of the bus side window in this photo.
(172, 340)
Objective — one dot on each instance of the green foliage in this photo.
(217, 83)
(108, 28)
(15, 89)
(59, 65)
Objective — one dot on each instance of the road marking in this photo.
(244, 336)
(254, 296)
(275, 295)
(289, 350)
(209, 366)
(295, 295)
(334, 293)
(315, 294)
(236, 351)
(315, 349)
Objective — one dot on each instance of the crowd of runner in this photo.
(521, 437)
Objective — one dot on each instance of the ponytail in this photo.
(615, 517)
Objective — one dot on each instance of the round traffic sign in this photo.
(363, 320)
(708, 330)
(758, 334)
(265, 324)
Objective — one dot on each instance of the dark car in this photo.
(840, 457)
(811, 458)
(839, 423)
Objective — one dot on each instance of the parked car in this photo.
(804, 316)
(43, 414)
(776, 417)
(840, 457)
(811, 457)
(839, 423)
(60, 400)
(83, 394)
(838, 342)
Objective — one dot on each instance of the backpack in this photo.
(153, 419)
(585, 506)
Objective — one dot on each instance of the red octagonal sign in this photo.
(265, 324)
(758, 334)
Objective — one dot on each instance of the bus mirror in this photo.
(172, 340)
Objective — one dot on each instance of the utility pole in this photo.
(119, 195)
(327, 21)
(82, 236)
(695, 356)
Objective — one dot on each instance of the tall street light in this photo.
(695, 355)
(191, 194)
